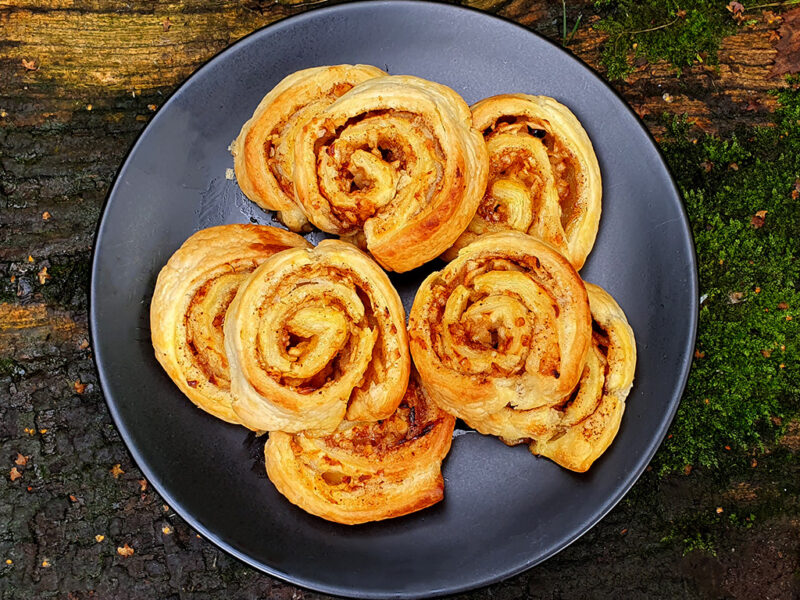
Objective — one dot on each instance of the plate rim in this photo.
(340, 590)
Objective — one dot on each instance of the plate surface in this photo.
(504, 510)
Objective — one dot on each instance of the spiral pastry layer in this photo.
(264, 151)
(544, 178)
(502, 330)
(312, 335)
(591, 417)
(366, 471)
(189, 306)
(397, 158)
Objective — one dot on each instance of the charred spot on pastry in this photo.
(537, 133)
(387, 155)
(324, 142)
(490, 210)
(419, 434)
(606, 371)
(504, 120)
(570, 399)
(600, 337)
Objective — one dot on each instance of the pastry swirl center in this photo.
(500, 323)
(378, 164)
(311, 330)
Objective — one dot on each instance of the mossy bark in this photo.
(78, 80)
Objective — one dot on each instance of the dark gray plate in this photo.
(504, 510)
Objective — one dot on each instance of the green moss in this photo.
(11, 369)
(745, 381)
(682, 33)
(696, 530)
(745, 522)
(699, 542)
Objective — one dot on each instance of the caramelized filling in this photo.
(414, 419)
(565, 165)
(279, 132)
(205, 346)
(394, 154)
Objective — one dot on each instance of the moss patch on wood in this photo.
(682, 33)
(743, 196)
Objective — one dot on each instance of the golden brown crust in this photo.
(190, 301)
(502, 330)
(591, 418)
(396, 157)
(544, 178)
(366, 471)
(313, 334)
(263, 151)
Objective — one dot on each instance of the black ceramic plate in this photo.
(504, 510)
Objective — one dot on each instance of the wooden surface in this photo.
(78, 80)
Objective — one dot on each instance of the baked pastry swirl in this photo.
(500, 335)
(592, 414)
(312, 335)
(190, 301)
(396, 157)
(264, 151)
(366, 471)
(544, 178)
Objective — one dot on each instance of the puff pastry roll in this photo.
(501, 334)
(264, 151)
(314, 334)
(190, 301)
(593, 412)
(397, 158)
(366, 471)
(544, 178)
